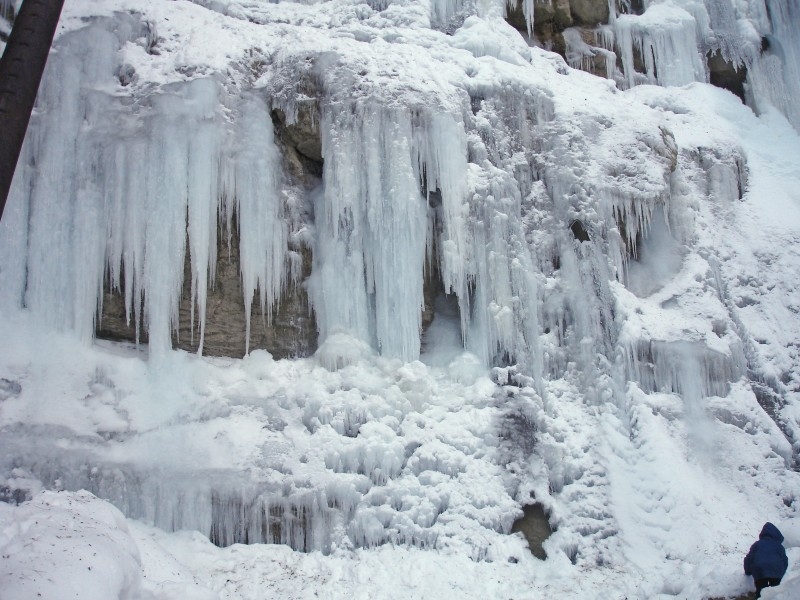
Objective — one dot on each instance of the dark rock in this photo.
(432, 287)
(535, 526)
(301, 143)
(725, 75)
(9, 389)
(548, 18)
(589, 12)
(126, 74)
(597, 63)
(14, 496)
(292, 331)
(113, 323)
(579, 231)
(630, 7)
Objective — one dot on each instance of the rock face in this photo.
(301, 145)
(589, 12)
(290, 332)
(723, 74)
(549, 20)
(552, 19)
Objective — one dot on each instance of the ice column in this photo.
(59, 214)
(263, 232)
(441, 159)
(371, 230)
(505, 327)
(162, 182)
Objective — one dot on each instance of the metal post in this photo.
(21, 68)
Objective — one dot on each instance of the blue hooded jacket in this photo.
(767, 558)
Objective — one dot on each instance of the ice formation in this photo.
(529, 283)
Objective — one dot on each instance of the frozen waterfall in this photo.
(529, 283)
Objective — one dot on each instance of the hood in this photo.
(770, 531)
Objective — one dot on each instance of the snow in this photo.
(84, 544)
(641, 384)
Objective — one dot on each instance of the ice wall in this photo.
(774, 76)
(672, 42)
(665, 37)
(125, 184)
(525, 215)
(133, 184)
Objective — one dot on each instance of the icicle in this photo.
(65, 255)
(441, 159)
(578, 53)
(604, 37)
(659, 366)
(263, 232)
(14, 235)
(527, 11)
(7, 6)
(444, 10)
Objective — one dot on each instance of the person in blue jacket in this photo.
(766, 561)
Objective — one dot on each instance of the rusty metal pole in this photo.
(21, 68)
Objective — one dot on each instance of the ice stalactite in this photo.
(228, 512)
(577, 318)
(581, 55)
(8, 8)
(670, 44)
(506, 325)
(526, 6)
(61, 214)
(263, 230)
(443, 10)
(590, 217)
(373, 222)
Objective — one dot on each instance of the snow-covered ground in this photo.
(646, 388)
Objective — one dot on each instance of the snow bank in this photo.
(67, 544)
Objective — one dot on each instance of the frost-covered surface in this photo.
(615, 336)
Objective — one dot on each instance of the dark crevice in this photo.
(535, 527)
(725, 75)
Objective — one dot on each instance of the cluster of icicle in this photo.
(117, 192)
(114, 190)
